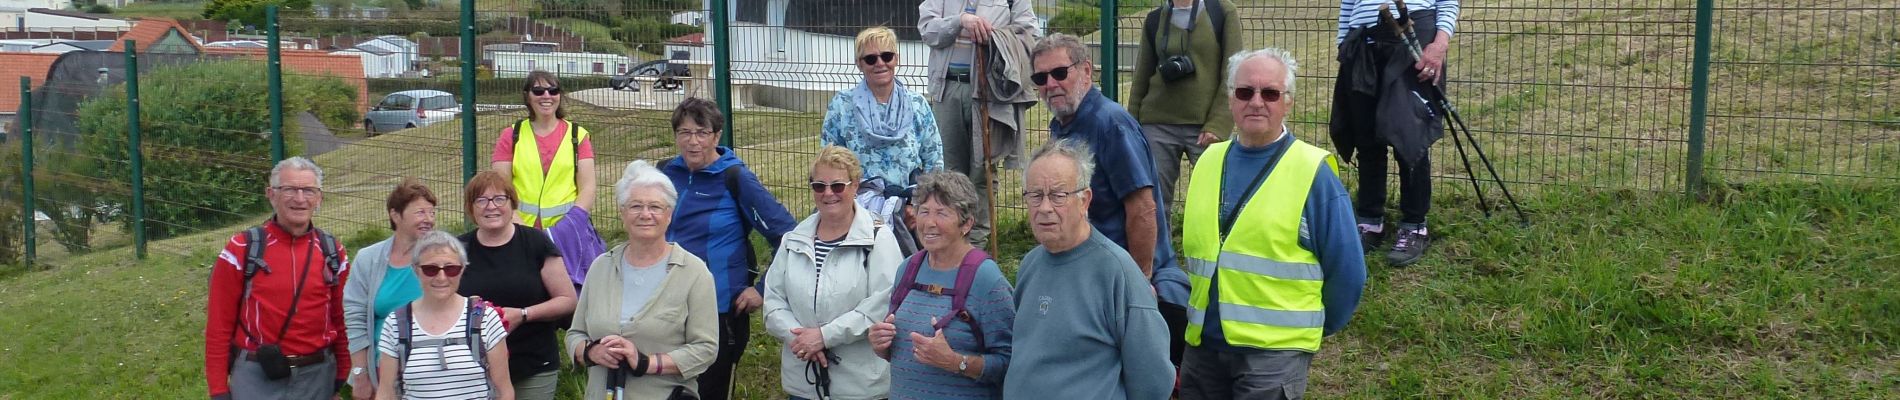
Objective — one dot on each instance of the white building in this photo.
(387, 56)
(58, 46)
(518, 61)
(800, 69)
(56, 20)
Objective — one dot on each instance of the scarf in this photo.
(889, 125)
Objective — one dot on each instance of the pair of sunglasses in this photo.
(1060, 73)
(871, 59)
(1266, 95)
(453, 270)
(544, 91)
(836, 187)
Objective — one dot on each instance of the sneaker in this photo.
(1410, 246)
(1371, 236)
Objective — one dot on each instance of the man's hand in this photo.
(748, 301)
(1207, 138)
(976, 28)
(1432, 60)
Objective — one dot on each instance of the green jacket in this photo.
(1199, 99)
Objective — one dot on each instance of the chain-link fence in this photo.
(1560, 94)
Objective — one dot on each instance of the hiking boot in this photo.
(1371, 236)
(1410, 246)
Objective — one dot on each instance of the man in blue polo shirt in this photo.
(1127, 208)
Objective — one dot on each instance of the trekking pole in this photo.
(983, 118)
(1402, 27)
(1386, 18)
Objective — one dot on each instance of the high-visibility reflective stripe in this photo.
(546, 212)
(1281, 318)
(1258, 266)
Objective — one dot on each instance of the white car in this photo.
(410, 109)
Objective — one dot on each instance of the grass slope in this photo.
(1785, 291)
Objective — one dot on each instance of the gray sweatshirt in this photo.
(1087, 327)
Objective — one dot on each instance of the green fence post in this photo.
(722, 69)
(469, 57)
(133, 147)
(1111, 47)
(26, 169)
(275, 65)
(1699, 95)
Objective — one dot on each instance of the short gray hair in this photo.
(294, 163)
(437, 240)
(641, 174)
(1077, 52)
(1273, 53)
(950, 188)
(1077, 151)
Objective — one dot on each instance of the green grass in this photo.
(1776, 290)
(189, 10)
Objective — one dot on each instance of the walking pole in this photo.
(1385, 18)
(983, 118)
(1402, 27)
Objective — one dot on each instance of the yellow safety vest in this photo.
(545, 195)
(1269, 285)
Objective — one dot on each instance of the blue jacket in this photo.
(708, 221)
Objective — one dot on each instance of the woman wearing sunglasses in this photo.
(554, 173)
(648, 315)
(889, 127)
(517, 268)
(381, 281)
(443, 345)
(829, 282)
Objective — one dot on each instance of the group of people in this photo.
(867, 302)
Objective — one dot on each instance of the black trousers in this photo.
(1415, 184)
(735, 333)
(1394, 116)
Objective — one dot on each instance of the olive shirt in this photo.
(1199, 99)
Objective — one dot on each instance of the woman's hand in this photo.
(611, 350)
(882, 334)
(934, 350)
(809, 345)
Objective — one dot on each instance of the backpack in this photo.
(472, 337)
(1216, 13)
(959, 296)
(254, 260)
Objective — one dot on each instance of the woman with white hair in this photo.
(443, 345)
(647, 323)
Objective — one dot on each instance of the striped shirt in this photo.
(822, 249)
(1365, 13)
(443, 372)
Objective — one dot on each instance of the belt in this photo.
(965, 78)
(295, 361)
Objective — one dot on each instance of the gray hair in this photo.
(641, 174)
(950, 188)
(1077, 52)
(1273, 53)
(437, 240)
(294, 163)
(1077, 152)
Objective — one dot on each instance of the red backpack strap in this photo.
(960, 295)
(905, 281)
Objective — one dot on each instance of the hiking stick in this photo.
(1386, 18)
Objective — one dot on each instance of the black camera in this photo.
(1176, 67)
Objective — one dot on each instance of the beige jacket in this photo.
(682, 321)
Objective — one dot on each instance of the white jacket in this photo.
(853, 293)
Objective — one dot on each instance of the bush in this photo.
(401, 26)
(206, 151)
(251, 11)
(1078, 21)
(651, 31)
(10, 246)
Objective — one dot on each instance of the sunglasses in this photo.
(544, 91)
(1061, 74)
(836, 187)
(453, 270)
(1266, 95)
(871, 59)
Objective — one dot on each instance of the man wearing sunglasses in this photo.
(1379, 102)
(1270, 244)
(1126, 208)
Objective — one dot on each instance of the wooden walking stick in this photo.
(983, 118)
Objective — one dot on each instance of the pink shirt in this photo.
(547, 145)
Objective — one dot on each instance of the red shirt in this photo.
(319, 320)
(547, 145)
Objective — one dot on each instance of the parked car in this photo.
(410, 109)
(665, 73)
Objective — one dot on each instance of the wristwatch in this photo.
(354, 371)
(963, 364)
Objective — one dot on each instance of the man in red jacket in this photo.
(278, 334)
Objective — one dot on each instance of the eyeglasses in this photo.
(1266, 95)
(491, 201)
(652, 209)
(836, 187)
(1057, 199)
(453, 270)
(544, 91)
(1060, 73)
(871, 59)
(298, 191)
(699, 134)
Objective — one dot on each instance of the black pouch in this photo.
(271, 358)
(679, 393)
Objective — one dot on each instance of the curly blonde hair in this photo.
(840, 158)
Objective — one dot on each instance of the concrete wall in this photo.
(516, 64)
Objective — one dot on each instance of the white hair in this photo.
(1077, 152)
(641, 174)
(294, 163)
(438, 240)
(1273, 53)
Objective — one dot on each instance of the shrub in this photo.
(10, 228)
(251, 11)
(1078, 21)
(206, 149)
(650, 31)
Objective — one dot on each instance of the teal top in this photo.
(399, 288)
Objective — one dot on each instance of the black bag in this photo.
(271, 358)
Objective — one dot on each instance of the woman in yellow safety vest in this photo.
(554, 173)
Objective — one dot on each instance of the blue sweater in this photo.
(1327, 230)
(708, 221)
(993, 306)
(1087, 328)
